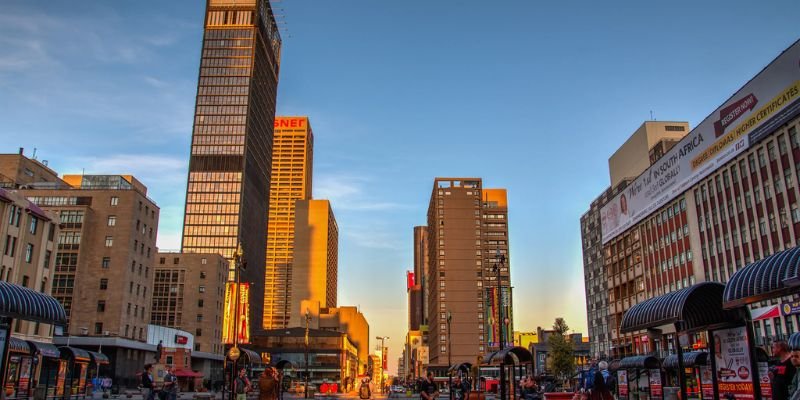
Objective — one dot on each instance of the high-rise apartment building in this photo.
(188, 294)
(467, 234)
(17, 170)
(316, 259)
(29, 249)
(652, 138)
(292, 161)
(229, 167)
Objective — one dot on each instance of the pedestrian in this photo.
(782, 372)
(365, 390)
(241, 385)
(599, 389)
(268, 385)
(147, 383)
(429, 389)
(170, 389)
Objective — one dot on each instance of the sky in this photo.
(531, 96)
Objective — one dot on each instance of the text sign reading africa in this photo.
(763, 104)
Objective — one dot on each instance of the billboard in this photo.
(770, 99)
(230, 320)
(732, 353)
(291, 122)
(410, 281)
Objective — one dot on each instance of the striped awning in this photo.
(99, 358)
(690, 359)
(23, 303)
(695, 306)
(508, 356)
(613, 365)
(639, 362)
(19, 346)
(794, 341)
(252, 356)
(74, 353)
(45, 349)
(763, 279)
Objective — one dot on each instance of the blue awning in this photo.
(27, 304)
(99, 358)
(45, 349)
(690, 359)
(639, 362)
(252, 356)
(794, 341)
(74, 353)
(764, 279)
(695, 306)
(19, 346)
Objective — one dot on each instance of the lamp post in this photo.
(234, 353)
(308, 318)
(449, 356)
(382, 338)
(501, 259)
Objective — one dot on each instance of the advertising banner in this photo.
(706, 382)
(767, 101)
(791, 307)
(410, 281)
(490, 310)
(622, 384)
(656, 391)
(732, 355)
(766, 385)
(423, 355)
(232, 318)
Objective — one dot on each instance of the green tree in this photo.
(562, 359)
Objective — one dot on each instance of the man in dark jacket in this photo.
(147, 383)
(782, 372)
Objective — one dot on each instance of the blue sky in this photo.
(531, 96)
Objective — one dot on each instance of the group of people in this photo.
(168, 391)
(597, 383)
(268, 385)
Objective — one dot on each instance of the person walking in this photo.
(600, 389)
(429, 389)
(782, 373)
(147, 383)
(268, 385)
(241, 385)
(170, 384)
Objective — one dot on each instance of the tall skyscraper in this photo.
(229, 169)
(292, 161)
(316, 259)
(467, 231)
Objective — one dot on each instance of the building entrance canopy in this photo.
(509, 356)
(22, 303)
(694, 307)
(767, 278)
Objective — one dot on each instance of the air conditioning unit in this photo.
(106, 333)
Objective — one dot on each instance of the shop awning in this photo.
(19, 346)
(769, 312)
(690, 359)
(639, 362)
(613, 365)
(465, 366)
(695, 306)
(98, 358)
(75, 353)
(508, 356)
(794, 341)
(763, 279)
(252, 356)
(26, 304)
(45, 349)
(187, 373)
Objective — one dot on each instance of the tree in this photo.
(562, 359)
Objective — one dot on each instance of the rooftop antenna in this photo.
(34, 153)
(652, 118)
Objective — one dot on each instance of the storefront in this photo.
(639, 377)
(77, 363)
(20, 369)
(696, 370)
(50, 369)
(514, 363)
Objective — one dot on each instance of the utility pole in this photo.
(308, 318)
(501, 260)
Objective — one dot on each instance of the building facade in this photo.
(231, 153)
(189, 294)
(467, 235)
(316, 259)
(17, 170)
(292, 167)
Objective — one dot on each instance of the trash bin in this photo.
(671, 393)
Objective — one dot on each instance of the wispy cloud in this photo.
(158, 169)
(351, 192)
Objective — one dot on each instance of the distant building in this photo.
(541, 351)
(19, 171)
(524, 339)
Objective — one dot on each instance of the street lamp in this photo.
(308, 318)
(501, 260)
(381, 338)
(449, 356)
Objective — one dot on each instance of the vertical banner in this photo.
(656, 391)
(766, 385)
(24, 376)
(385, 358)
(232, 317)
(706, 382)
(734, 377)
(490, 315)
(622, 384)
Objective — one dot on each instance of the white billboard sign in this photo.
(767, 101)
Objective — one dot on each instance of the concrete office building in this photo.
(316, 259)
(103, 264)
(642, 148)
(29, 248)
(17, 170)
(292, 167)
(229, 166)
(467, 230)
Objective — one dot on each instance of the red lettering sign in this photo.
(180, 339)
(290, 122)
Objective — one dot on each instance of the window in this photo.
(202, 289)
(47, 255)
(34, 224)
(28, 253)
(98, 328)
(106, 262)
(199, 317)
(101, 306)
(112, 220)
(198, 332)
(176, 260)
(114, 200)
(203, 261)
(200, 303)
(109, 241)
(202, 275)
(103, 284)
